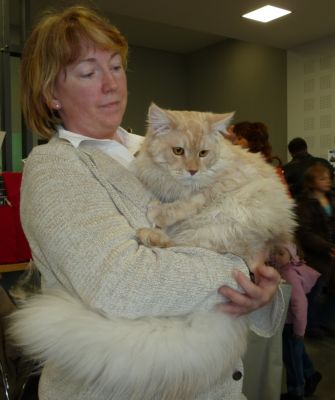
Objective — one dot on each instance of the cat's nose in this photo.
(192, 171)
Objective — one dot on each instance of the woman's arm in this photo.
(82, 242)
(262, 301)
(255, 295)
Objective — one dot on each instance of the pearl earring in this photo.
(56, 105)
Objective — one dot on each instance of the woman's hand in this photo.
(256, 294)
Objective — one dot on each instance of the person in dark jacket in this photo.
(301, 160)
(316, 235)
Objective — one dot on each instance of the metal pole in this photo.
(5, 93)
(27, 138)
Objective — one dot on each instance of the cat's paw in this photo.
(154, 203)
(153, 237)
(156, 214)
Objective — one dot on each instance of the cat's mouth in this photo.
(194, 181)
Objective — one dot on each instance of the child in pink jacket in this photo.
(301, 376)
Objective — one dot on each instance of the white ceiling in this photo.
(187, 25)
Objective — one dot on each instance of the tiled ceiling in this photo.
(187, 25)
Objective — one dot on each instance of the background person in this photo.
(254, 136)
(229, 134)
(316, 236)
(81, 207)
(301, 160)
(301, 376)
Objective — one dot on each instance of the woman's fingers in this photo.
(254, 295)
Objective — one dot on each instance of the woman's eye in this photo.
(203, 153)
(178, 151)
(87, 75)
(116, 68)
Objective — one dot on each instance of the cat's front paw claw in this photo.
(152, 237)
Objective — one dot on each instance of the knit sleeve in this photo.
(82, 242)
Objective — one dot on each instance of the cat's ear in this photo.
(220, 122)
(158, 120)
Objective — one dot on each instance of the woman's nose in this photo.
(108, 81)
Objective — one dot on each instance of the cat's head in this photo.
(186, 144)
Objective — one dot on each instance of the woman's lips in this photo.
(111, 105)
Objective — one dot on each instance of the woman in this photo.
(81, 207)
(316, 235)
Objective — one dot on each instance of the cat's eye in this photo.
(203, 153)
(178, 151)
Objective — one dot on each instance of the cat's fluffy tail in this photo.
(175, 357)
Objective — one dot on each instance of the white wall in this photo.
(311, 95)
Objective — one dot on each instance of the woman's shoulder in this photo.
(52, 145)
(54, 149)
(46, 159)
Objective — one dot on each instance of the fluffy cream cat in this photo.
(214, 194)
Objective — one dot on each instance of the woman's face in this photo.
(323, 183)
(91, 94)
(241, 141)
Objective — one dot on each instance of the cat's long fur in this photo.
(170, 358)
(228, 199)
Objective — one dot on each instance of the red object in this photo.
(14, 247)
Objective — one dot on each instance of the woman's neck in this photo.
(319, 194)
(321, 197)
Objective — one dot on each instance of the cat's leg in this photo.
(167, 214)
(153, 237)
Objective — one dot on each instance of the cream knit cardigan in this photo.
(122, 321)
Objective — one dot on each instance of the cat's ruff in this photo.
(175, 357)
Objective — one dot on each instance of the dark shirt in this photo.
(294, 171)
(315, 233)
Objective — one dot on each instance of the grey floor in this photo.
(322, 352)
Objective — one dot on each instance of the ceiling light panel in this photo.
(266, 13)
